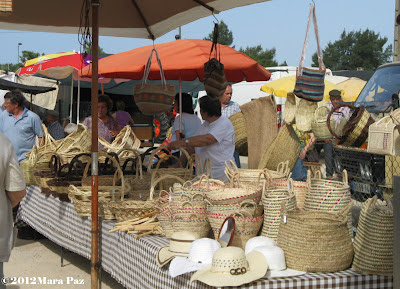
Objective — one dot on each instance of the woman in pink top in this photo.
(122, 117)
(108, 127)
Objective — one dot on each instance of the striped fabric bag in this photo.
(6, 7)
(310, 82)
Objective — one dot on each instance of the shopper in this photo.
(12, 190)
(54, 127)
(19, 124)
(122, 117)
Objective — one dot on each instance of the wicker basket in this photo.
(319, 126)
(304, 114)
(273, 199)
(27, 166)
(299, 188)
(290, 108)
(246, 226)
(252, 175)
(373, 243)
(234, 194)
(384, 137)
(285, 147)
(239, 125)
(133, 208)
(395, 115)
(196, 223)
(315, 241)
(355, 131)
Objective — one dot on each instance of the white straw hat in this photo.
(231, 267)
(258, 242)
(276, 262)
(179, 245)
(200, 254)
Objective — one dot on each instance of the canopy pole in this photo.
(180, 104)
(95, 264)
(78, 104)
(72, 98)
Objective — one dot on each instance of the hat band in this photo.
(182, 241)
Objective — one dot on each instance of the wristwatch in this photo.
(187, 141)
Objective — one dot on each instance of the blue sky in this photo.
(276, 23)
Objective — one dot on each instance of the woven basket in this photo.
(285, 147)
(384, 137)
(355, 131)
(299, 188)
(27, 166)
(133, 208)
(373, 243)
(304, 114)
(248, 206)
(319, 126)
(327, 195)
(246, 226)
(290, 108)
(315, 241)
(395, 115)
(154, 98)
(82, 196)
(239, 125)
(81, 138)
(196, 223)
(125, 144)
(252, 175)
(164, 217)
(185, 173)
(234, 194)
(272, 199)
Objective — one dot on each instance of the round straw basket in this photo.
(272, 200)
(315, 241)
(202, 186)
(239, 125)
(300, 189)
(285, 147)
(164, 217)
(304, 114)
(196, 223)
(235, 194)
(373, 243)
(247, 206)
(140, 182)
(319, 126)
(127, 208)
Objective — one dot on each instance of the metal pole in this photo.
(396, 231)
(180, 104)
(78, 103)
(71, 99)
(95, 264)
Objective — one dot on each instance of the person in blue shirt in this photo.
(19, 124)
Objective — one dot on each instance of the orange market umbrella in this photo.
(351, 88)
(181, 60)
(282, 86)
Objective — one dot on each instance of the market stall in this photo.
(132, 261)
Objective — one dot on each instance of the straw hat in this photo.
(276, 262)
(231, 267)
(258, 242)
(200, 254)
(179, 245)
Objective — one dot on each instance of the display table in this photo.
(132, 262)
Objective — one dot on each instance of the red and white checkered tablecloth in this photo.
(132, 262)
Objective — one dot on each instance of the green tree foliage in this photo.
(26, 55)
(225, 36)
(356, 49)
(284, 63)
(88, 49)
(264, 57)
(10, 67)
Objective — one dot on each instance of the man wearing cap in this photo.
(343, 112)
(228, 108)
(53, 125)
(19, 124)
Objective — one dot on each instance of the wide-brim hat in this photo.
(276, 262)
(210, 275)
(179, 245)
(200, 255)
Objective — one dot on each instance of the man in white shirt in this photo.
(228, 108)
(215, 139)
(12, 190)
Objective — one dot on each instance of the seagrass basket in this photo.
(239, 125)
(196, 223)
(304, 114)
(373, 243)
(315, 241)
(319, 123)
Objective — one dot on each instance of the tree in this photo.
(225, 36)
(284, 63)
(264, 57)
(356, 49)
(26, 55)
(88, 49)
(10, 67)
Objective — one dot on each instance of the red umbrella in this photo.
(181, 60)
(58, 67)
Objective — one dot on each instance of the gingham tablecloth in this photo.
(132, 262)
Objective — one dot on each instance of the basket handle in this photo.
(317, 175)
(345, 177)
(197, 194)
(318, 116)
(152, 155)
(161, 178)
(165, 158)
(207, 169)
(248, 203)
(186, 202)
(235, 180)
(283, 167)
(241, 214)
(148, 66)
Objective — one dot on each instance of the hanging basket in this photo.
(319, 124)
